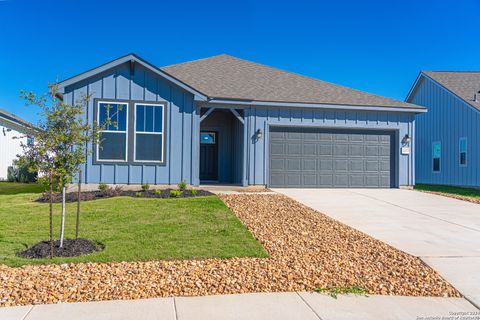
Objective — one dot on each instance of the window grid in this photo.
(99, 109)
(153, 107)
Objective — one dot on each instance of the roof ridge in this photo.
(315, 79)
(452, 71)
(196, 60)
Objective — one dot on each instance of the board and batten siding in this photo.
(264, 117)
(10, 147)
(181, 125)
(448, 119)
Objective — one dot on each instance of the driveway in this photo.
(443, 232)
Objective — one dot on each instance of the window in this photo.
(112, 118)
(462, 146)
(436, 153)
(149, 132)
(207, 137)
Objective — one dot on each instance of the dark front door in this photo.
(208, 156)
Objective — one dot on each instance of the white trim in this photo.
(97, 159)
(460, 151)
(145, 132)
(440, 158)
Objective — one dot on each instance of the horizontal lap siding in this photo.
(447, 120)
(142, 85)
(262, 118)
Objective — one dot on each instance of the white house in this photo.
(13, 131)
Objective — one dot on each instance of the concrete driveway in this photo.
(444, 232)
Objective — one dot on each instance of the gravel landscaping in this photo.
(307, 250)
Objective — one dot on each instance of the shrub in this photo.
(102, 186)
(114, 192)
(182, 185)
(194, 191)
(19, 172)
(175, 193)
(157, 191)
(138, 194)
(145, 187)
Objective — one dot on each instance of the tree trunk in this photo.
(51, 216)
(62, 227)
(78, 203)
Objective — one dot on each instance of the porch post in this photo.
(195, 161)
(245, 147)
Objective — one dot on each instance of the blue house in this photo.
(231, 121)
(448, 135)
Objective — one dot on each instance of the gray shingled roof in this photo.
(15, 119)
(463, 83)
(227, 77)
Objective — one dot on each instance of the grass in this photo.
(334, 292)
(463, 192)
(131, 229)
(18, 188)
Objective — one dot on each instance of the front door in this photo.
(208, 156)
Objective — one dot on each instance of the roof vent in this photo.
(476, 97)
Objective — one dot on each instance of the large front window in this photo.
(149, 132)
(112, 118)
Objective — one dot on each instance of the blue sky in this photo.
(375, 46)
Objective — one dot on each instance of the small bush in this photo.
(138, 194)
(114, 192)
(182, 185)
(175, 193)
(194, 191)
(20, 172)
(102, 186)
(157, 191)
(145, 187)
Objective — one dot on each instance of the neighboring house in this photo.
(13, 131)
(448, 135)
(227, 120)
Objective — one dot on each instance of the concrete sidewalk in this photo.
(279, 306)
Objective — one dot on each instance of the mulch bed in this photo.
(71, 248)
(307, 250)
(117, 192)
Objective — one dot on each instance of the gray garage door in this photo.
(328, 158)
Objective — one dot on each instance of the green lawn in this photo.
(17, 188)
(130, 229)
(464, 192)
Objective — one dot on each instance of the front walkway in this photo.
(443, 232)
(279, 306)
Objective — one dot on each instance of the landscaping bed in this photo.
(70, 248)
(459, 193)
(307, 250)
(118, 192)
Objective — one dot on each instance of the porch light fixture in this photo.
(406, 140)
(258, 134)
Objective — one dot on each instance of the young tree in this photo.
(60, 147)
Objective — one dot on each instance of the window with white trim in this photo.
(149, 120)
(112, 118)
(436, 155)
(462, 149)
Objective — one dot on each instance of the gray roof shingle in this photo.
(15, 119)
(227, 77)
(462, 83)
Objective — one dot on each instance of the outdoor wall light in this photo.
(258, 134)
(406, 140)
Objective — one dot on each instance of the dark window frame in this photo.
(460, 158)
(435, 158)
(130, 127)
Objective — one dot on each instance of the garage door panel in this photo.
(314, 157)
(277, 148)
(309, 149)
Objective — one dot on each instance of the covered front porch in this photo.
(222, 153)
